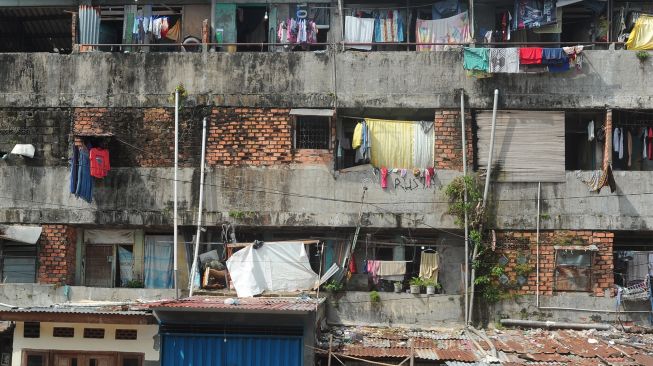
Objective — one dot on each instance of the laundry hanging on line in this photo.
(297, 31)
(449, 30)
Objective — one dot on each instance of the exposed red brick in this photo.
(57, 255)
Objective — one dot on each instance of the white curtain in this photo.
(424, 153)
(126, 262)
(158, 271)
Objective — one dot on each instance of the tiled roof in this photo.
(220, 303)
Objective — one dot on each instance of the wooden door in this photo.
(66, 360)
(98, 265)
(104, 360)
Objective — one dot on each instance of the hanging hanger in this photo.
(429, 250)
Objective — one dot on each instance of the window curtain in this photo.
(401, 144)
(126, 266)
(158, 271)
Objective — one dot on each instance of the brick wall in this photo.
(257, 136)
(149, 131)
(47, 129)
(448, 140)
(523, 244)
(57, 255)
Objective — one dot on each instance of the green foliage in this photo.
(642, 55)
(333, 286)
(183, 95)
(416, 281)
(241, 214)
(497, 271)
(455, 191)
(135, 284)
(523, 269)
(375, 298)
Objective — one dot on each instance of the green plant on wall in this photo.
(642, 55)
(183, 95)
(491, 280)
(375, 298)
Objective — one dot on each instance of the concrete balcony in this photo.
(298, 196)
(306, 79)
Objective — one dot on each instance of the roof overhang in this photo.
(72, 317)
(20, 233)
(312, 112)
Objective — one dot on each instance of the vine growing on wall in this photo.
(491, 281)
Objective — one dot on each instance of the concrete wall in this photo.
(28, 294)
(145, 343)
(594, 309)
(299, 195)
(395, 309)
(364, 79)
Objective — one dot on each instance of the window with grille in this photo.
(63, 332)
(128, 334)
(97, 333)
(312, 132)
(573, 272)
(32, 330)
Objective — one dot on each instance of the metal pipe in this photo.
(174, 210)
(550, 325)
(596, 310)
(537, 248)
(464, 147)
(471, 18)
(485, 194)
(491, 150)
(193, 271)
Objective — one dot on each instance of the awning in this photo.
(582, 248)
(562, 3)
(21, 234)
(312, 112)
(109, 236)
(76, 315)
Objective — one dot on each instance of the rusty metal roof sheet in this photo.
(253, 304)
(376, 352)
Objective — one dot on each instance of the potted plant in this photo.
(333, 287)
(398, 286)
(431, 286)
(415, 285)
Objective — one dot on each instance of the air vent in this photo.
(127, 334)
(63, 332)
(32, 330)
(96, 333)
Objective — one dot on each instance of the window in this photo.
(96, 333)
(63, 332)
(109, 258)
(32, 330)
(127, 334)
(18, 262)
(312, 132)
(35, 358)
(573, 272)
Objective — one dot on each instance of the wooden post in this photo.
(330, 342)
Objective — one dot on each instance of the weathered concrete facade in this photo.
(306, 79)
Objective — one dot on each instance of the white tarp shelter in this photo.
(275, 266)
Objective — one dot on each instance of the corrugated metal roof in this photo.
(220, 303)
(36, 28)
(74, 310)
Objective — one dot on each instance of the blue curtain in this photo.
(158, 271)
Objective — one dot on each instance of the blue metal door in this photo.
(230, 350)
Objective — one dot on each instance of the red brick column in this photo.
(57, 255)
(448, 140)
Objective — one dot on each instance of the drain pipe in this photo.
(464, 142)
(537, 248)
(553, 325)
(193, 272)
(485, 193)
(174, 214)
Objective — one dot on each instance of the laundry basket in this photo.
(638, 292)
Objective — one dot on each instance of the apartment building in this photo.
(338, 125)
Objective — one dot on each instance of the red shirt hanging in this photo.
(99, 162)
(530, 56)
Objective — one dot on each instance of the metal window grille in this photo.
(32, 330)
(573, 272)
(97, 333)
(312, 132)
(63, 332)
(126, 334)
